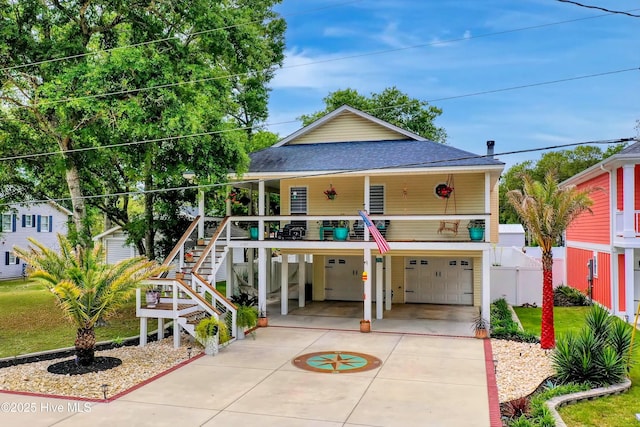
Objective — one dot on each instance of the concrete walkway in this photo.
(423, 381)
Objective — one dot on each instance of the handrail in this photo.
(213, 290)
(211, 244)
(169, 259)
(188, 289)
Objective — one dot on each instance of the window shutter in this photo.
(50, 223)
(6, 258)
(17, 260)
(376, 200)
(298, 200)
(34, 218)
(14, 220)
(38, 222)
(24, 221)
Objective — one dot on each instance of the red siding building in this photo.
(610, 236)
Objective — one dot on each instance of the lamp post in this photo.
(191, 177)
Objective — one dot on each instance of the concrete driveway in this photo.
(422, 381)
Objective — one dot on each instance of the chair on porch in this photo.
(295, 230)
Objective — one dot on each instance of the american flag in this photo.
(383, 246)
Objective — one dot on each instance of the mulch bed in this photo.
(71, 367)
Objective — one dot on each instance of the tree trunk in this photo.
(148, 206)
(85, 346)
(77, 200)
(547, 332)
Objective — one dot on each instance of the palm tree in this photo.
(85, 287)
(546, 209)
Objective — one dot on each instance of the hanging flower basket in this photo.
(330, 193)
(443, 191)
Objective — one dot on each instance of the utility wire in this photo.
(195, 33)
(372, 110)
(333, 173)
(306, 64)
(621, 12)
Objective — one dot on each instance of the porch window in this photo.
(298, 200)
(376, 200)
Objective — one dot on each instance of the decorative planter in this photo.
(253, 231)
(476, 234)
(263, 322)
(481, 333)
(240, 333)
(200, 242)
(152, 298)
(188, 258)
(340, 233)
(211, 345)
(179, 275)
(365, 326)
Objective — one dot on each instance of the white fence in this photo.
(517, 276)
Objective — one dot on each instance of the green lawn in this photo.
(30, 321)
(614, 411)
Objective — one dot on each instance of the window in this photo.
(8, 223)
(44, 223)
(595, 264)
(10, 258)
(376, 200)
(28, 221)
(298, 200)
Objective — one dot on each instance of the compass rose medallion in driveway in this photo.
(337, 362)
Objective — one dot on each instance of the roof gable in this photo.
(346, 124)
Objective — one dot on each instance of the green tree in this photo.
(85, 287)
(222, 55)
(390, 105)
(546, 209)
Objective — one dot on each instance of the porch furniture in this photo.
(295, 230)
(326, 229)
(358, 228)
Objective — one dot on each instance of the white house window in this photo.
(298, 200)
(10, 258)
(8, 223)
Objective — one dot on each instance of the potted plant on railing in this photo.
(152, 298)
(476, 229)
(211, 332)
(341, 232)
(246, 318)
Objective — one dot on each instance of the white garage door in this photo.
(343, 279)
(117, 250)
(439, 281)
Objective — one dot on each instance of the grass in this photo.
(614, 411)
(30, 320)
(565, 319)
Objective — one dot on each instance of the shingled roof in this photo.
(364, 155)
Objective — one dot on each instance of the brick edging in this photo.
(567, 399)
(492, 386)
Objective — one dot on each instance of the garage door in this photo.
(439, 281)
(343, 279)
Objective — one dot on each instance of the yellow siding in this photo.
(495, 215)
(318, 278)
(477, 281)
(347, 127)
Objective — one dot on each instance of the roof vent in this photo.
(490, 145)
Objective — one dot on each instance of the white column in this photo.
(229, 273)
(201, 213)
(487, 205)
(160, 328)
(628, 192)
(628, 286)
(261, 209)
(251, 256)
(284, 285)
(615, 273)
(367, 186)
(228, 202)
(262, 279)
(486, 280)
(302, 273)
(379, 286)
(367, 284)
(388, 287)
(143, 331)
(176, 333)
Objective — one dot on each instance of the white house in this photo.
(42, 221)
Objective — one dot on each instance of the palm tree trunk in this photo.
(547, 333)
(85, 346)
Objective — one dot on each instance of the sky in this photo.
(444, 51)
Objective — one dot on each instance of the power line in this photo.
(314, 175)
(306, 64)
(195, 33)
(176, 137)
(621, 12)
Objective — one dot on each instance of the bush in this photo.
(566, 296)
(514, 334)
(504, 327)
(598, 354)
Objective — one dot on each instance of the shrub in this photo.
(517, 407)
(209, 327)
(566, 296)
(598, 354)
(504, 327)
